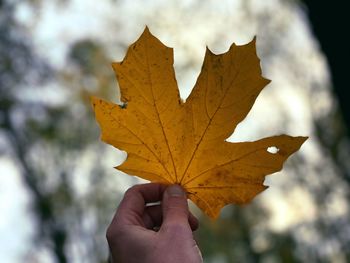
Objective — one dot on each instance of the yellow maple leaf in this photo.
(172, 142)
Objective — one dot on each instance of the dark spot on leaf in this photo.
(123, 105)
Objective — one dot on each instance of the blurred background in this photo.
(58, 188)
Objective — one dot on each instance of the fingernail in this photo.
(175, 190)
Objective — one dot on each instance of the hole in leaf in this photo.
(273, 149)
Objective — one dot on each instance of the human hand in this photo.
(132, 237)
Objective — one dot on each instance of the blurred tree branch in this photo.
(47, 141)
(18, 65)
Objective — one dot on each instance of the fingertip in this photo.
(193, 221)
(175, 206)
(175, 191)
(132, 206)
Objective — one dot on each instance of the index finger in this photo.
(132, 206)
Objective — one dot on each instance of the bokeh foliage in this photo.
(49, 131)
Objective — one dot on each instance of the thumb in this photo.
(175, 206)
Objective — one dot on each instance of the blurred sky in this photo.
(284, 107)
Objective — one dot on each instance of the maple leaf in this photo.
(172, 142)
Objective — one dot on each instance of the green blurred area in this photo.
(47, 129)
